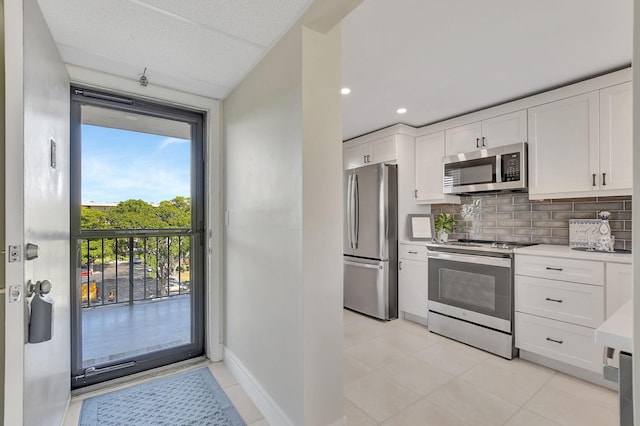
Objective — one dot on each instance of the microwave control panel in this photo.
(511, 167)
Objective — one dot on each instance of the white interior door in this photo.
(37, 211)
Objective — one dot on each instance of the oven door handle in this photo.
(480, 260)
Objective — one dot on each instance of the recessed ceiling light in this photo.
(345, 90)
(401, 110)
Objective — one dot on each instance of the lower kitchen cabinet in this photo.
(569, 343)
(412, 281)
(560, 301)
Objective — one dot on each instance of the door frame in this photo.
(213, 182)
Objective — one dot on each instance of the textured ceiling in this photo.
(204, 47)
(440, 59)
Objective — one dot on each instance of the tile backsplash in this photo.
(513, 217)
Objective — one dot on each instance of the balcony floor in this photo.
(114, 332)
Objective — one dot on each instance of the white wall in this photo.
(283, 242)
(263, 241)
(37, 95)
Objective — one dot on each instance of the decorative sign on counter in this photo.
(421, 227)
(592, 234)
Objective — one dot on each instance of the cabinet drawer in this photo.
(579, 304)
(579, 271)
(569, 343)
(406, 251)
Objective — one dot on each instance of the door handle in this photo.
(549, 268)
(553, 300)
(604, 179)
(477, 142)
(363, 265)
(483, 144)
(349, 207)
(356, 194)
(594, 180)
(549, 339)
(400, 266)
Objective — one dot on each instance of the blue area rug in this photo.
(190, 398)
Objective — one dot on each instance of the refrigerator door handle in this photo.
(349, 207)
(356, 211)
(362, 265)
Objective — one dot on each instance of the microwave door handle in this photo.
(498, 168)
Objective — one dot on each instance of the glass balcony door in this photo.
(137, 236)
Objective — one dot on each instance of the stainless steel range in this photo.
(471, 293)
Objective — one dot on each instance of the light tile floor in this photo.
(397, 373)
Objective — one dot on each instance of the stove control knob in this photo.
(494, 245)
(505, 246)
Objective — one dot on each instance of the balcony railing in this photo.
(126, 266)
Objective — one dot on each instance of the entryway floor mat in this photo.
(189, 398)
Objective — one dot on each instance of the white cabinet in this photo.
(563, 146)
(558, 303)
(498, 131)
(378, 151)
(412, 280)
(581, 146)
(618, 286)
(429, 150)
(616, 122)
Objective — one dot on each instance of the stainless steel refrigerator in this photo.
(371, 241)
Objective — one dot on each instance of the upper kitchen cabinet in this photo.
(378, 151)
(581, 146)
(493, 132)
(616, 122)
(429, 150)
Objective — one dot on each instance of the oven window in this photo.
(470, 289)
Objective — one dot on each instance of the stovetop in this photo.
(466, 245)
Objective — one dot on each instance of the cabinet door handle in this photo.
(415, 193)
(554, 340)
(553, 300)
(477, 142)
(368, 158)
(364, 159)
(594, 180)
(412, 252)
(549, 268)
(400, 266)
(604, 179)
(483, 145)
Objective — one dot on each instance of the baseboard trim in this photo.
(272, 413)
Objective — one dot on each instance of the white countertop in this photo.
(617, 331)
(568, 252)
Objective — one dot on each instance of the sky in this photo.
(118, 165)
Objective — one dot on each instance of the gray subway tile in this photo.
(532, 215)
(550, 223)
(497, 216)
(625, 215)
(524, 199)
(574, 215)
(498, 201)
(614, 198)
(558, 207)
(613, 205)
(627, 205)
(519, 223)
(514, 208)
(616, 225)
(627, 225)
(571, 200)
(532, 231)
(498, 231)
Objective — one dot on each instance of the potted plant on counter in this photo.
(444, 225)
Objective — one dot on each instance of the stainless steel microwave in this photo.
(494, 169)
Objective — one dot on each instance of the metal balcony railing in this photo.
(126, 266)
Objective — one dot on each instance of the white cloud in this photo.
(169, 141)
